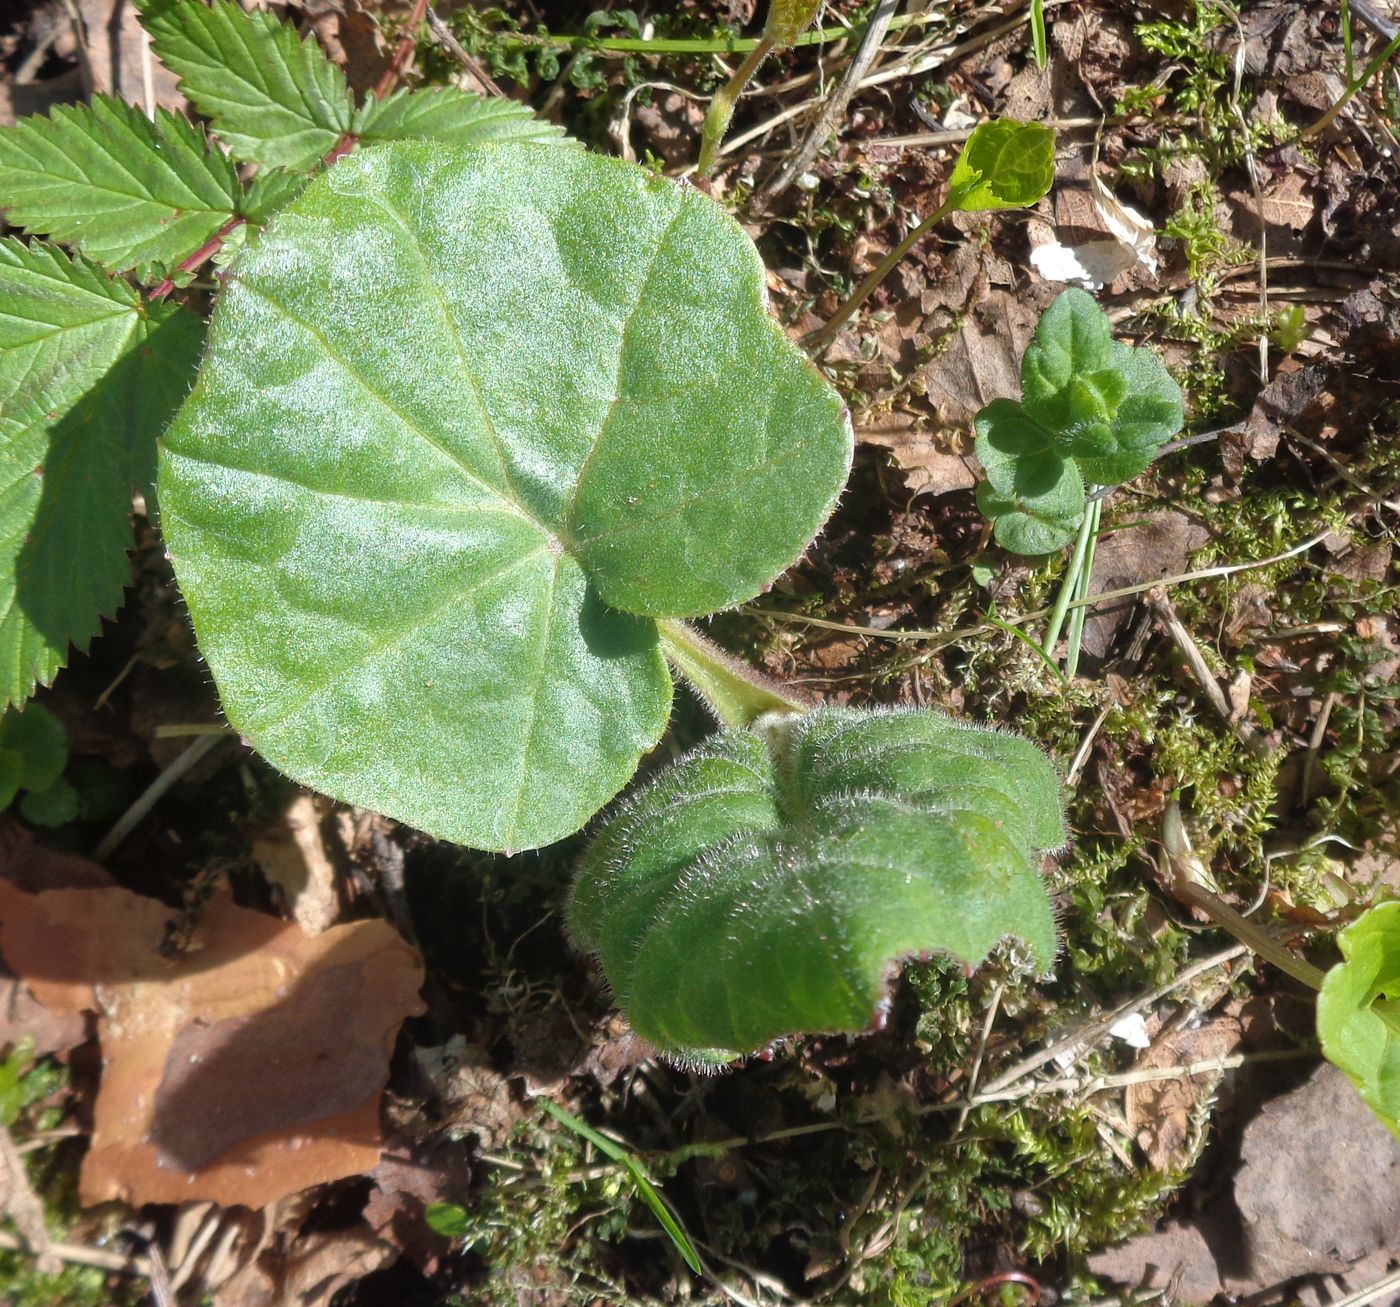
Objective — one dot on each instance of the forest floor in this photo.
(1152, 1124)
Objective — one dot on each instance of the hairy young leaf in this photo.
(1005, 164)
(441, 113)
(767, 883)
(89, 375)
(469, 420)
(123, 189)
(1091, 409)
(273, 97)
(1358, 1011)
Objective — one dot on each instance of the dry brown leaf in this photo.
(1156, 546)
(310, 1273)
(293, 857)
(929, 464)
(22, 1017)
(1160, 1112)
(478, 1096)
(981, 360)
(247, 1068)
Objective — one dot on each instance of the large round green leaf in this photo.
(469, 420)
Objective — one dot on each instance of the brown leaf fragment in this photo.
(478, 1096)
(294, 858)
(979, 359)
(1155, 546)
(1175, 1261)
(245, 1069)
(930, 463)
(1163, 1112)
(23, 1017)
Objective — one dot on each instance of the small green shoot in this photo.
(1358, 1011)
(787, 20)
(33, 754)
(1040, 44)
(1005, 164)
(765, 884)
(447, 1219)
(1091, 408)
(645, 1189)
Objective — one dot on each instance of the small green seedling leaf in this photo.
(273, 96)
(446, 1219)
(1006, 164)
(1091, 410)
(645, 1189)
(33, 751)
(89, 376)
(1358, 1011)
(469, 422)
(122, 188)
(767, 883)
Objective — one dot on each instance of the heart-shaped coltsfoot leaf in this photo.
(470, 420)
(768, 882)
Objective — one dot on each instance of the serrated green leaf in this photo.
(274, 98)
(272, 189)
(456, 404)
(1005, 164)
(1073, 338)
(1358, 1011)
(788, 19)
(89, 375)
(764, 884)
(442, 113)
(123, 189)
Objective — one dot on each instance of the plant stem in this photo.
(1081, 590)
(1353, 86)
(722, 106)
(737, 694)
(662, 45)
(823, 336)
(1069, 584)
(1248, 934)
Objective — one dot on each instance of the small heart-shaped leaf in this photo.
(766, 883)
(1358, 1011)
(1006, 164)
(470, 420)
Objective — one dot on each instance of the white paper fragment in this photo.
(1133, 242)
(1132, 1030)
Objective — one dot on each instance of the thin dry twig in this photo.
(834, 109)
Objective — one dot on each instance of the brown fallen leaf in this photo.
(1162, 1113)
(930, 464)
(293, 857)
(246, 1068)
(22, 1017)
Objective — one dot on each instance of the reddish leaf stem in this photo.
(407, 44)
(192, 262)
